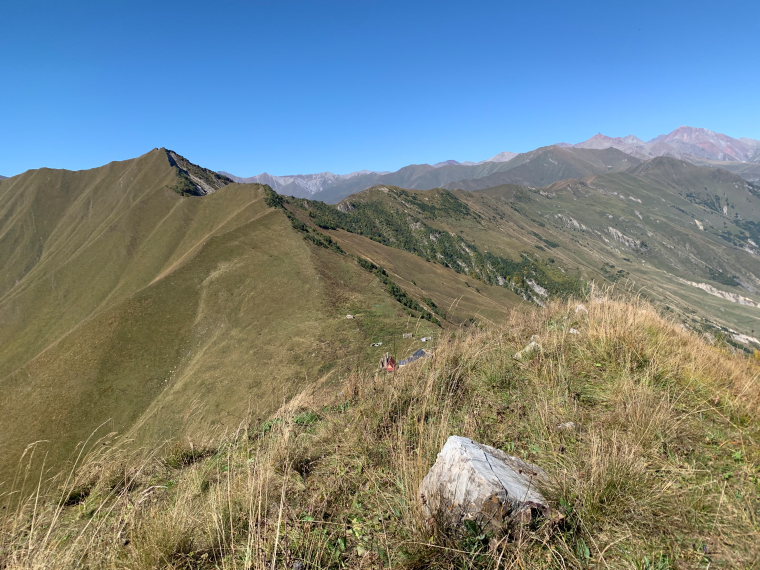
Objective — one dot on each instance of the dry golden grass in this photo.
(660, 472)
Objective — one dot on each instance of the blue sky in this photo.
(289, 86)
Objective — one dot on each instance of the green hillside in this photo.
(684, 236)
(668, 227)
(131, 304)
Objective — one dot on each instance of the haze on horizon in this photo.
(296, 87)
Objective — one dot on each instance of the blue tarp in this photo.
(416, 356)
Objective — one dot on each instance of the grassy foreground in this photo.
(660, 472)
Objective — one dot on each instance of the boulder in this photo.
(472, 481)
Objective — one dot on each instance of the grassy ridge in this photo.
(661, 472)
(402, 219)
(127, 305)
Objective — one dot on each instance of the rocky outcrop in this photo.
(195, 180)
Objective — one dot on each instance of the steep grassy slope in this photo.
(750, 171)
(660, 470)
(667, 225)
(128, 303)
(78, 234)
(685, 236)
(428, 224)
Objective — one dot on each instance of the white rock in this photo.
(567, 426)
(472, 481)
(530, 350)
(580, 309)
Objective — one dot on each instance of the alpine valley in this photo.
(157, 299)
(133, 286)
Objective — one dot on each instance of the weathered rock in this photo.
(573, 331)
(530, 350)
(472, 481)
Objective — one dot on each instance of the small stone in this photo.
(567, 426)
(574, 331)
(530, 351)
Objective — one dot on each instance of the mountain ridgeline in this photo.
(156, 298)
(537, 168)
(543, 166)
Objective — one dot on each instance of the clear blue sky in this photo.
(290, 86)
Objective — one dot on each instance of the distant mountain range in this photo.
(536, 168)
(685, 143)
(332, 187)
(540, 167)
